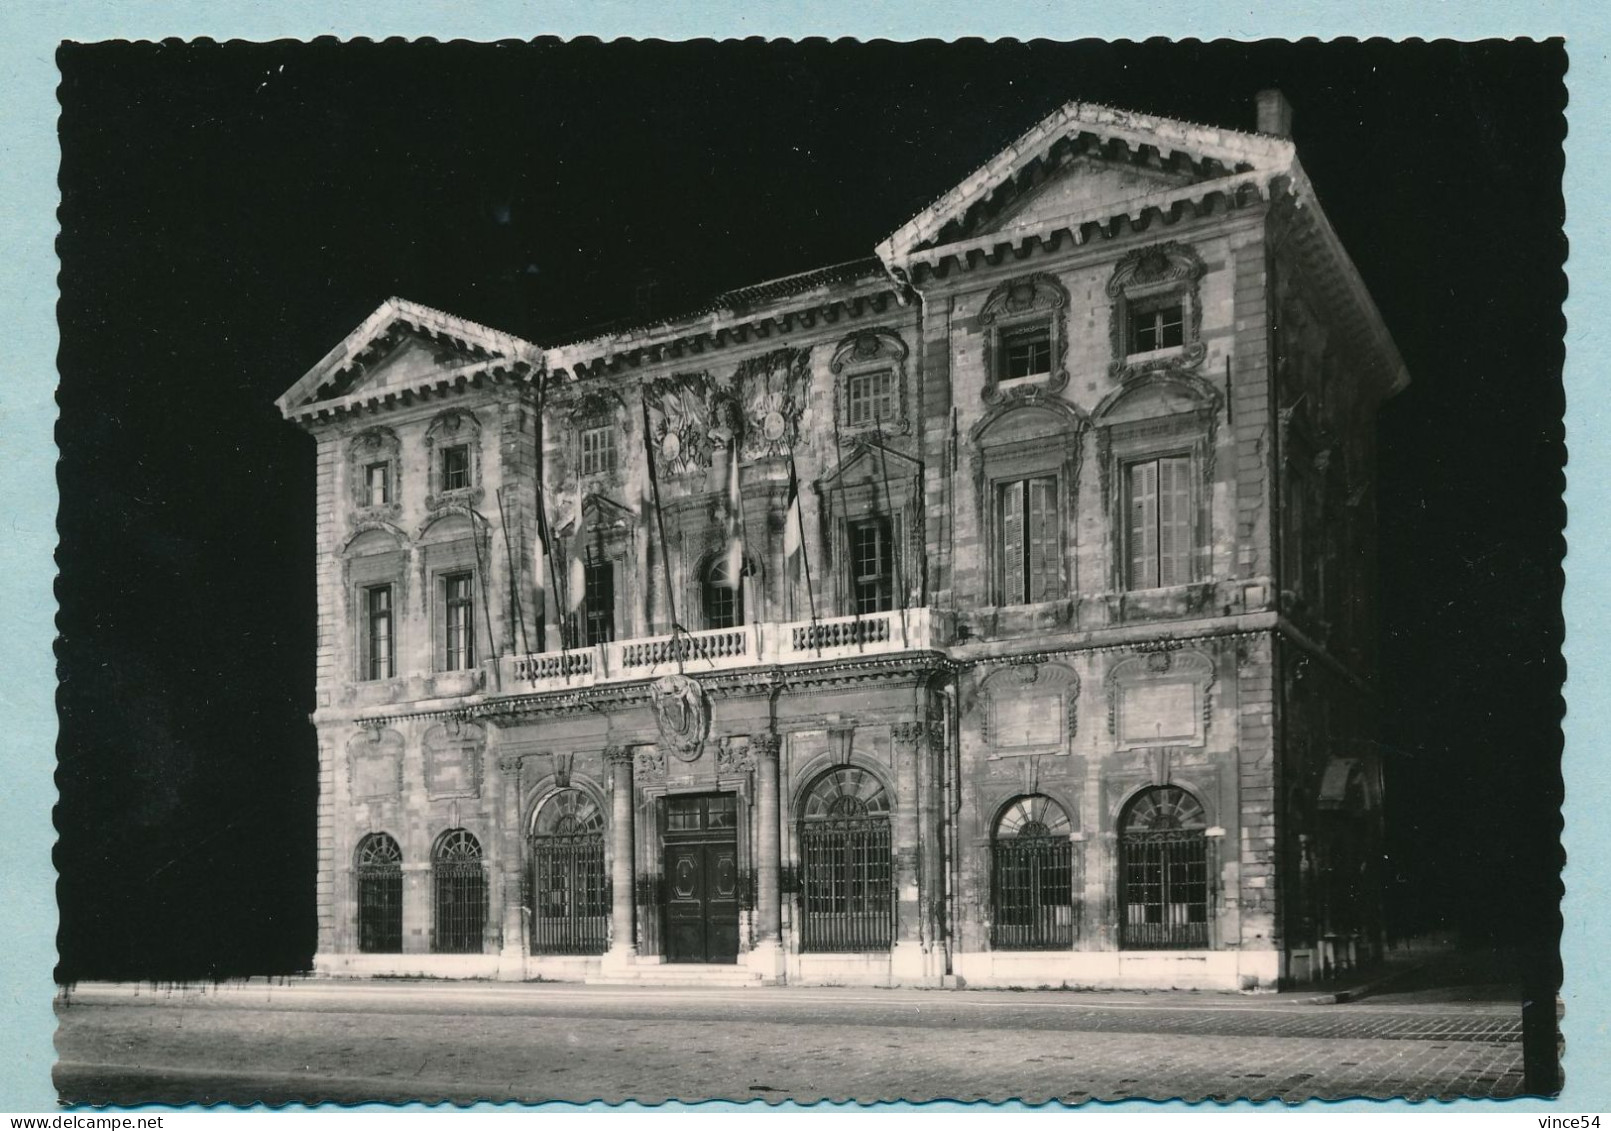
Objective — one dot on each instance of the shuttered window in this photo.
(1160, 537)
(1031, 560)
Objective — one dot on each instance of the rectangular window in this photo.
(870, 398)
(1158, 497)
(598, 609)
(1031, 557)
(1026, 351)
(378, 662)
(1156, 324)
(455, 467)
(598, 450)
(459, 597)
(872, 562)
(377, 484)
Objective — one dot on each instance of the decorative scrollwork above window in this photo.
(1156, 320)
(871, 386)
(453, 756)
(1160, 698)
(1029, 708)
(1025, 323)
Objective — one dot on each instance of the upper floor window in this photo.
(598, 450)
(459, 621)
(872, 562)
(378, 484)
(1156, 323)
(378, 661)
(724, 595)
(1025, 351)
(1159, 535)
(598, 608)
(870, 398)
(455, 467)
(1031, 554)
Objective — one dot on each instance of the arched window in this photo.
(570, 895)
(1163, 871)
(459, 882)
(380, 895)
(845, 863)
(1032, 889)
(723, 594)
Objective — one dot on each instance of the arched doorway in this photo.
(1163, 871)
(1032, 877)
(380, 895)
(570, 899)
(845, 886)
(459, 887)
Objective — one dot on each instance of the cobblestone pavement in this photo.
(347, 1042)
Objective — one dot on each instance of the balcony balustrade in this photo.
(720, 649)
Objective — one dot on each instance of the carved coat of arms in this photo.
(682, 712)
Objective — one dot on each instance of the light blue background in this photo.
(31, 29)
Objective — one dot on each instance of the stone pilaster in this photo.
(909, 960)
(623, 937)
(513, 954)
(767, 956)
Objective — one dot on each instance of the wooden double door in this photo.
(702, 879)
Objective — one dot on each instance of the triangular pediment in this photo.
(1085, 162)
(404, 347)
(1078, 186)
(871, 464)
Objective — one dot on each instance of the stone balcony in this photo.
(719, 649)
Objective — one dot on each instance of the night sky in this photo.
(230, 213)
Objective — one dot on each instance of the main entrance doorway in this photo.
(701, 843)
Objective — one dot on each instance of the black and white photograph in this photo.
(810, 571)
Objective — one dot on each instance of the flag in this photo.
(539, 561)
(735, 522)
(791, 517)
(578, 555)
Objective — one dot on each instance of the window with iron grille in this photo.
(570, 889)
(872, 564)
(459, 887)
(1031, 543)
(458, 593)
(378, 484)
(1159, 531)
(1032, 865)
(870, 398)
(598, 605)
(598, 450)
(1155, 323)
(455, 467)
(1163, 872)
(845, 891)
(724, 595)
(378, 657)
(380, 895)
(1024, 351)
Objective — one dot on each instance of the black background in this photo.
(231, 212)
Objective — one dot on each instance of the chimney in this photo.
(1275, 113)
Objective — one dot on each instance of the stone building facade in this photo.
(1058, 669)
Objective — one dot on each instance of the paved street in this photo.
(312, 1041)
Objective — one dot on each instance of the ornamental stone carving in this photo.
(1029, 708)
(734, 756)
(453, 756)
(375, 765)
(680, 422)
(1160, 697)
(871, 351)
(651, 760)
(682, 714)
(771, 391)
(1028, 300)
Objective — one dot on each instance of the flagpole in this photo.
(514, 580)
(855, 604)
(805, 556)
(546, 534)
(660, 526)
(895, 542)
(736, 499)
